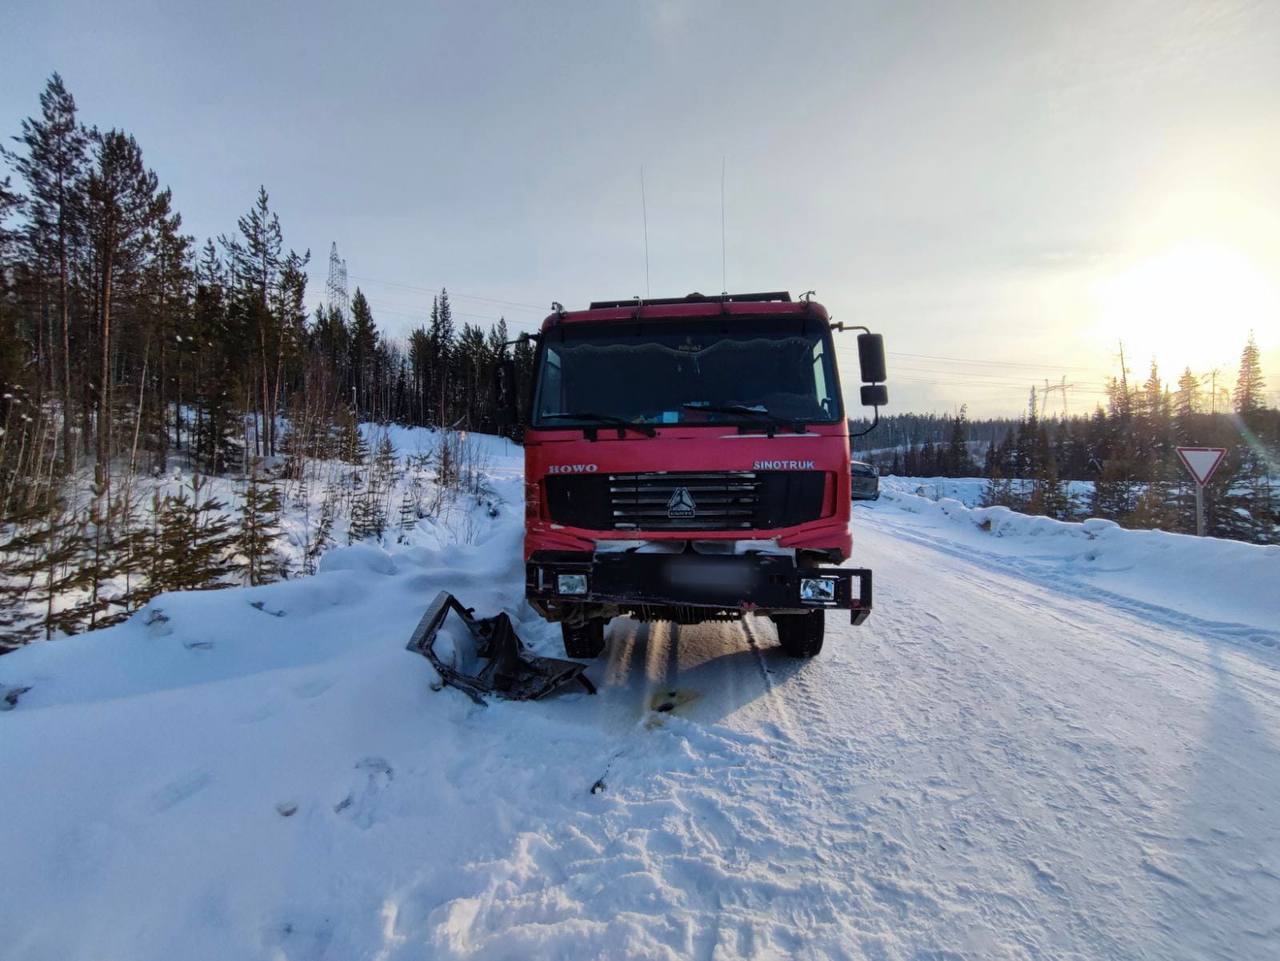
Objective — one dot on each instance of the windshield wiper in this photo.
(760, 413)
(619, 422)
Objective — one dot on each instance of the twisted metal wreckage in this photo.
(502, 664)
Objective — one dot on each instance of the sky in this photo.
(1009, 192)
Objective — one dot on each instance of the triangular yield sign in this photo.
(1201, 462)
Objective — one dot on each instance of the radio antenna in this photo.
(724, 286)
(644, 212)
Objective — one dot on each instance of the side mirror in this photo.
(871, 359)
(875, 395)
(504, 392)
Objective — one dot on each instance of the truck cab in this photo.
(687, 460)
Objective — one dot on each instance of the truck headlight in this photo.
(571, 584)
(818, 590)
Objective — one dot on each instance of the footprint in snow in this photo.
(300, 937)
(157, 623)
(178, 790)
(363, 800)
(313, 688)
(9, 697)
(665, 702)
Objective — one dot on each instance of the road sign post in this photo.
(1200, 463)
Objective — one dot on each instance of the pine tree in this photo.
(121, 194)
(54, 168)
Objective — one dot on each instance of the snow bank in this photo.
(1222, 581)
(968, 490)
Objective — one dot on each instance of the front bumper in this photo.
(746, 583)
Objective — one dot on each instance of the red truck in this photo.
(687, 459)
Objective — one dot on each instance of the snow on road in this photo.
(996, 765)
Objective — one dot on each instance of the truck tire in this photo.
(585, 641)
(800, 634)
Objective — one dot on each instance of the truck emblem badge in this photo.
(783, 465)
(572, 468)
(681, 506)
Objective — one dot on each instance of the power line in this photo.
(453, 294)
(541, 310)
(420, 314)
(988, 363)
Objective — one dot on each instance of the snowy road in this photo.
(987, 768)
(993, 766)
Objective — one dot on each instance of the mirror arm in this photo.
(874, 421)
(842, 326)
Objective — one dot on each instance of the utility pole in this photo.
(1062, 386)
(336, 288)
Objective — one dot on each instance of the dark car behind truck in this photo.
(864, 481)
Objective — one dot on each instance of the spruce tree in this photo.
(958, 463)
(21, 540)
(524, 356)
(363, 348)
(440, 348)
(385, 464)
(322, 538)
(193, 541)
(1249, 393)
(408, 515)
(349, 442)
(368, 515)
(259, 530)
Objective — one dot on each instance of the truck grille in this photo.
(686, 500)
(723, 500)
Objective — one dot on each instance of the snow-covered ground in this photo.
(1024, 753)
(969, 490)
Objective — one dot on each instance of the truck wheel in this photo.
(800, 634)
(584, 641)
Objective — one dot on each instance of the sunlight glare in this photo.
(1192, 304)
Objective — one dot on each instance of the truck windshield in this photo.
(737, 370)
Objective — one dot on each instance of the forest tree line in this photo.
(1126, 448)
(127, 350)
